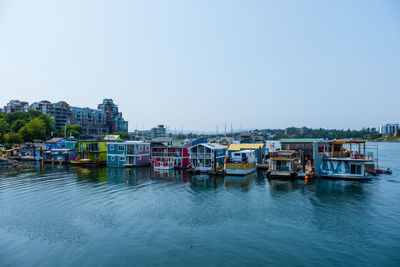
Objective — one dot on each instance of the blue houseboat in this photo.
(204, 157)
(55, 143)
(128, 154)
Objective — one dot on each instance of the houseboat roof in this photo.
(54, 140)
(111, 137)
(211, 145)
(300, 140)
(236, 147)
(348, 141)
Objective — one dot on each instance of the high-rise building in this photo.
(389, 128)
(16, 105)
(106, 119)
(159, 131)
(114, 120)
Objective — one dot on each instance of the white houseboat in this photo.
(241, 163)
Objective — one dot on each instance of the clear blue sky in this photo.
(197, 64)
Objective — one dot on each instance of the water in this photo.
(65, 216)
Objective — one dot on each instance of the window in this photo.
(112, 158)
(121, 148)
(140, 148)
(147, 147)
(122, 158)
(111, 147)
(355, 169)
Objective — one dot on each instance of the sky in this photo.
(197, 64)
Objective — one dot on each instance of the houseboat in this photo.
(283, 164)
(128, 154)
(174, 155)
(241, 163)
(59, 155)
(343, 159)
(207, 157)
(91, 152)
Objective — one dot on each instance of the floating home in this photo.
(303, 146)
(128, 154)
(55, 143)
(241, 162)
(174, 156)
(59, 155)
(259, 150)
(343, 159)
(283, 164)
(207, 157)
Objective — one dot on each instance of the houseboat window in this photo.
(147, 148)
(112, 158)
(81, 147)
(355, 169)
(111, 147)
(121, 148)
(237, 154)
(140, 148)
(122, 158)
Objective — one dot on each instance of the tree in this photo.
(17, 125)
(4, 126)
(74, 129)
(34, 129)
(49, 122)
(14, 138)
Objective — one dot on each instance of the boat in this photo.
(241, 163)
(343, 159)
(283, 164)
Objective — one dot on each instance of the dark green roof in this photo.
(300, 140)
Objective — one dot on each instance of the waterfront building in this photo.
(389, 128)
(283, 164)
(128, 154)
(343, 159)
(206, 157)
(93, 152)
(55, 143)
(174, 153)
(259, 150)
(241, 162)
(105, 119)
(16, 105)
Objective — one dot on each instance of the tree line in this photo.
(19, 127)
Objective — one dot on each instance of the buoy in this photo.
(42, 162)
(60, 162)
(52, 163)
(306, 178)
(126, 181)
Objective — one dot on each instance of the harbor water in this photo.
(73, 216)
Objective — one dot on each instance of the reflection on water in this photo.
(145, 217)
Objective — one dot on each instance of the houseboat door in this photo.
(131, 160)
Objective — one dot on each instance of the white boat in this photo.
(241, 163)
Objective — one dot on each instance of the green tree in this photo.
(34, 129)
(17, 125)
(4, 126)
(14, 138)
(74, 130)
(49, 122)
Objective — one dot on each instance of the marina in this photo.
(58, 214)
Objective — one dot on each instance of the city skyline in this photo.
(198, 65)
